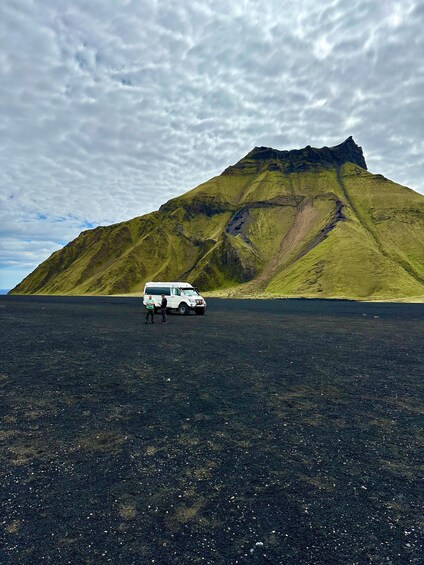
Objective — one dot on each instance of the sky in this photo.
(111, 108)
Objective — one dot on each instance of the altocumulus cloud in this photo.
(110, 108)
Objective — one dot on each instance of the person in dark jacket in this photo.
(163, 306)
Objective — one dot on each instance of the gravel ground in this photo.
(282, 432)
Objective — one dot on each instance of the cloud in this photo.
(109, 110)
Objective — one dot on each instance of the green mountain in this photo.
(309, 222)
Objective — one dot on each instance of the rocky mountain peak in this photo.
(308, 157)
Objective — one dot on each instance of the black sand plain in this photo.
(282, 432)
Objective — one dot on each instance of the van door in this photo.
(175, 297)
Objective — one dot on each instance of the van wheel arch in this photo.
(183, 309)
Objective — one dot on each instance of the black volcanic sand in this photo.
(283, 432)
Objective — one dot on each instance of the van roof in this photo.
(168, 282)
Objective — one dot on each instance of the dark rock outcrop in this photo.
(298, 160)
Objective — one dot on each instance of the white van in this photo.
(181, 297)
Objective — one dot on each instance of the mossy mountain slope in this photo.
(310, 222)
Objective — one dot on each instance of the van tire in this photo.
(183, 309)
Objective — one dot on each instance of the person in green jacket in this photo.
(150, 309)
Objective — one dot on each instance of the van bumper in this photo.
(198, 308)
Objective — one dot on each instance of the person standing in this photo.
(163, 306)
(150, 309)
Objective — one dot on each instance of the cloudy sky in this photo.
(110, 108)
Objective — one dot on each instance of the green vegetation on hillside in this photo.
(312, 223)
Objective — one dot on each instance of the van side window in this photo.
(176, 291)
(158, 290)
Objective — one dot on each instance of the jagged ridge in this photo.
(300, 160)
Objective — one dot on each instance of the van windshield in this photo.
(189, 292)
